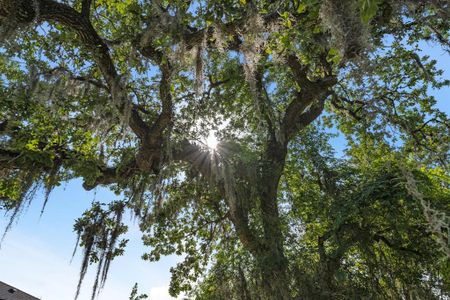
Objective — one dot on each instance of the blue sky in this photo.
(35, 256)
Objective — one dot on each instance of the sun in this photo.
(211, 140)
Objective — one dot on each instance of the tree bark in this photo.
(273, 265)
(273, 262)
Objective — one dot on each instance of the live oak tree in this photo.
(125, 94)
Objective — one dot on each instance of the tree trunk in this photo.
(266, 246)
(275, 283)
(273, 263)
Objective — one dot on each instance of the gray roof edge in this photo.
(19, 290)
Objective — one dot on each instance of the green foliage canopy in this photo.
(124, 94)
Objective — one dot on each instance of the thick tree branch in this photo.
(149, 157)
(312, 94)
(6, 156)
(12, 159)
(86, 8)
(52, 11)
(110, 175)
(393, 246)
(195, 36)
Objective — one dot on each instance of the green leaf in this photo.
(301, 8)
(369, 9)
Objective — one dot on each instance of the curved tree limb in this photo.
(52, 11)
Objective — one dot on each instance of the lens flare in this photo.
(211, 141)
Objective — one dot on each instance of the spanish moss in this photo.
(98, 231)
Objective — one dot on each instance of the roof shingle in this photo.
(8, 292)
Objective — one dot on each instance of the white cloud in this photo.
(160, 293)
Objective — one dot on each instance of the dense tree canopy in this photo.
(131, 94)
